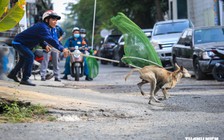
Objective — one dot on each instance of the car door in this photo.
(177, 49)
(187, 51)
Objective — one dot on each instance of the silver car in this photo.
(164, 35)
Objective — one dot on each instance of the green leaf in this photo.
(3, 6)
(138, 50)
(13, 16)
(93, 67)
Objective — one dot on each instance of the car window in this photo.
(112, 39)
(208, 35)
(172, 27)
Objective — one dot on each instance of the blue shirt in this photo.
(37, 34)
(72, 42)
(54, 33)
(59, 31)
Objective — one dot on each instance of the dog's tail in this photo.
(136, 69)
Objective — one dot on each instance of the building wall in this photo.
(203, 12)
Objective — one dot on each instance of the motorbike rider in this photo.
(57, 34)
(83, 35)
(24, 42)
(75, 40)
(84, 40)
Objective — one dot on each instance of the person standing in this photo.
(57, 34)
(24, 42)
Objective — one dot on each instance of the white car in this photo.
(164, 35)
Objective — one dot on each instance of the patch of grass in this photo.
(16, 112)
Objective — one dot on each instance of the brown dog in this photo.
(159, 78)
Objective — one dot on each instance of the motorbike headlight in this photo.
(77, 53)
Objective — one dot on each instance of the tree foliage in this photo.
(10, 17)
(42, 6)
(143, 12)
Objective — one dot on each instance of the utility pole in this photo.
(93, 29)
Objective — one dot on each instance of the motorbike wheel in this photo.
(72, 69)
(218, 73)
(77, 73)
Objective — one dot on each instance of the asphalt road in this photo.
(110, 108)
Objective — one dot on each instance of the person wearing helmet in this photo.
(75, 40)
(58, 34)
(24, 42)
(83, 35)
(84, 40)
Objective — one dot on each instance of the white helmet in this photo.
(50, 13)
(75, 29)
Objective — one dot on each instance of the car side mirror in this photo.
(188, 43)
(102, 41)
(121, 43)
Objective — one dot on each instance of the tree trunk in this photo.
(159, 14)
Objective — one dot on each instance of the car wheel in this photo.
(218, 73)
(122, 64)
(199, 75)
(103, 62)
(116, 57)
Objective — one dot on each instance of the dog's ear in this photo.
(177, 67)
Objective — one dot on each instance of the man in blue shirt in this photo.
(25, 41)
(75, 40)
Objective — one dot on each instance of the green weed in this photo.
(16, 112)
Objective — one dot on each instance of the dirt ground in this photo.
(110, 108)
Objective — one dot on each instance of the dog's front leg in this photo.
(166, 95)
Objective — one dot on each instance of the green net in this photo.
(93, 67)
(138, 50)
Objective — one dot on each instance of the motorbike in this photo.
(38, 53)
(37, 65)
(218, 69)
(77, 63)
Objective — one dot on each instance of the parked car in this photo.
(148, 33)
(107, 48)
(119, 48)
(119, 52)
(164, 35)
(194, 49)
